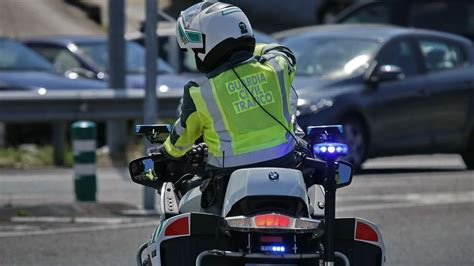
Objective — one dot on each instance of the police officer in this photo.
(243, 110)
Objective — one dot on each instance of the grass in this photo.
(26, 156)
(31, 155)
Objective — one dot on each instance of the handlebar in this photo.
(179, 170)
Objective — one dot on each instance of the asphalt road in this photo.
(424, 206)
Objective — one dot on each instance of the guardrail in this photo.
(116, 107)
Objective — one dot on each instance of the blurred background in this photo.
(398, 75)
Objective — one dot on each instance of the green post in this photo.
(83, 147)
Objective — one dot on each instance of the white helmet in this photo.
(213, 31)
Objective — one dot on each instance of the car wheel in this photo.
(357, 140)
(468, 155)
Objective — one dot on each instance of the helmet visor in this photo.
(188, 38)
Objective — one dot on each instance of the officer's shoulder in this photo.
(191, 84)
(274, 50)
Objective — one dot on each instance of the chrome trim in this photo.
(343, 257)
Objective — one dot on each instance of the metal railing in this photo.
(60, 107)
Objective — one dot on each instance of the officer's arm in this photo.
(277, 50)
(187, 129)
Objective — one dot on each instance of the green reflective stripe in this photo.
(253, 157)
(225, 140)
(194, 36)
(182, 34)
(283, 90)
(157, 232)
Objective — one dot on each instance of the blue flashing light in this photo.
(330, 149)
(276, 249)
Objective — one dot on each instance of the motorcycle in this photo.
(270, 216)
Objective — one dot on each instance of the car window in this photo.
(439, 55)
(331, 57)
(432, 15)
(16, 56)
(374, 13)
(61, 58)
(135, 61)
(399, 53)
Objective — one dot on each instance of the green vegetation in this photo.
(23, 213)
(30, 155)
(26, 156)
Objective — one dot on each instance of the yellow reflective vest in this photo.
(223, 109)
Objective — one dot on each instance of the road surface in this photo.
(424, 206)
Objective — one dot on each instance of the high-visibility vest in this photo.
(224, 111)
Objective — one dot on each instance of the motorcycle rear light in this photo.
(240, 222)
(365, 232)
(271, 239)
(306, 223)
(178, 227)
(272, 220)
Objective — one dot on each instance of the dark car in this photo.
(453, 16)
(23, 69)
(88, 56)
(396, 90)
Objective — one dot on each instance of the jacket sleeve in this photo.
(187, 129)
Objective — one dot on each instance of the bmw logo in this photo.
(273, 176)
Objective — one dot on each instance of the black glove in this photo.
(197, 154)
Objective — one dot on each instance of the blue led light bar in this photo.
(276, 249)
(329, 149)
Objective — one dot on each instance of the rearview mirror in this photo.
(344, 174)
(142, 171)
(387, 73)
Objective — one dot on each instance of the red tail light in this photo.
(178, 227)
(272, 220)
(271, 239)
(365, 232)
